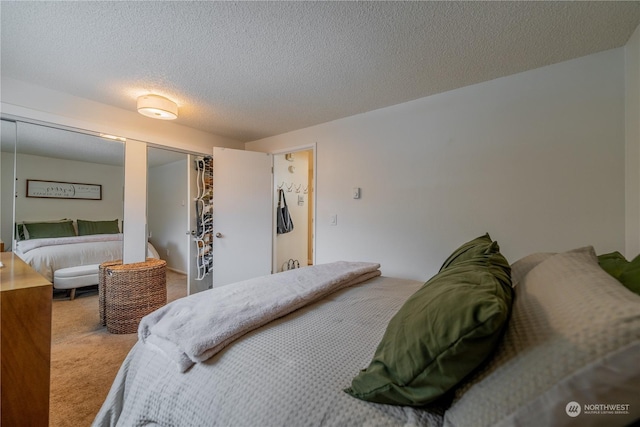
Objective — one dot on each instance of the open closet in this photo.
(293, 178)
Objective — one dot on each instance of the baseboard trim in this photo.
(175, 270)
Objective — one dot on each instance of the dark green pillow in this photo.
(630, 277)
(613, 263)
(97, 227)
(42, 230)
(626, 272)
(440, 335)
(469, 250)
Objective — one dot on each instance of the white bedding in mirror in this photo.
(48, 255)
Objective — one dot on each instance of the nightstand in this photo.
(25, 341)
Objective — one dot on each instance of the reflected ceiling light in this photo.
(157, 107)
(113, 137)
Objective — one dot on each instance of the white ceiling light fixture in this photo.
(157, 107)
(113, 137)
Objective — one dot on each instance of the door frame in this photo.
(307, 147)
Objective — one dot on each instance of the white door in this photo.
(196, 282)
(242, 215)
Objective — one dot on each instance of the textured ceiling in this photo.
(249, 70)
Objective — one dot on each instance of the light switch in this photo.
(333, 219)
(356, 192)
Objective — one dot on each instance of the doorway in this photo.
(294, 183)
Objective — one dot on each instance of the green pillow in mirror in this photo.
(43, 230)
(97, 227)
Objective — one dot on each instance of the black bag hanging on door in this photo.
(285, 224)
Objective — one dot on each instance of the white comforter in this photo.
(48, 255)
(195, 328)
(289, 372)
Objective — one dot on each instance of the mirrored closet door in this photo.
(67, 184)
(7, 158)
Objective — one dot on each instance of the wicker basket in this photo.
(128, 292)
(101, 285)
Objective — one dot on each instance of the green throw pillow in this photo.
(42, 230)
(97, 227)
(626, 272)
(613, 263)
(469, 250)
(630, 277)
(441, 334)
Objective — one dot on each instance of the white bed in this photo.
(273, 375)
(573, 335)
(50, 254)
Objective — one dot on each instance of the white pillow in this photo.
(523, 266)
(573, 336)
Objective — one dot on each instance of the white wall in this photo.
(535, 159)
(49, 169)
(167, 213)
(632, 156)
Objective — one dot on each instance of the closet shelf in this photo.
(204, 209)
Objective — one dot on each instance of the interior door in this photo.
(242, 215)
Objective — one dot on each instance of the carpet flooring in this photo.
(85, 358)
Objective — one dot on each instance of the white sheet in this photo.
(195, 328)
(290, 372)
(47, 258)
(25, 246)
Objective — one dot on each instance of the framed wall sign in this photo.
(63, 190)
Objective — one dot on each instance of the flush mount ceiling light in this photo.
(113, 137)
(157, 107)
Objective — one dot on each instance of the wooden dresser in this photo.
(25, 344)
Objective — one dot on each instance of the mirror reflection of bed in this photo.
(46, 224)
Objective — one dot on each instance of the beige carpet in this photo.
(85, 357)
